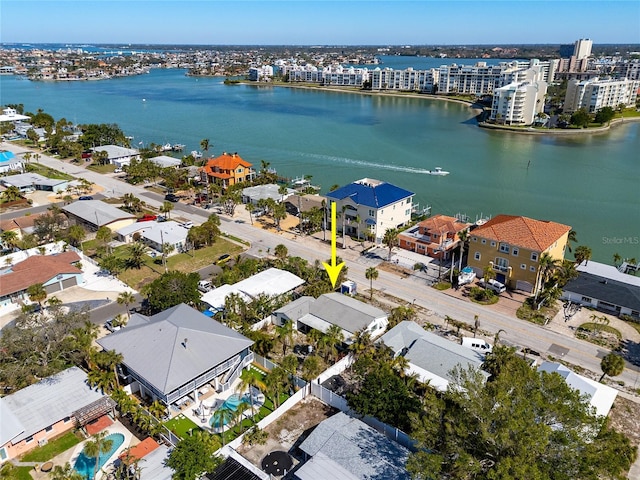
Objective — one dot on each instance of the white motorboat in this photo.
(438, 171)
(177, 147)
(196, 154)
(165, 148)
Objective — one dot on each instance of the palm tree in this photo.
(37, 293)
(547, 267)
(611, 365)
(111, 360)
(582, 254)
(361, 344)
(335, 338)
(476, 325)
(126, 298)
(157, 409)
(204, 145)
(12, 193)
(249, 382)
(285, 336)
(617, 258)
(390, 239)
(98, 444)
(66, 472)
(136, 255)
(463, 235)
(166, 209)
(281, 252)
(238, 415)
(371, 274)
(572, 237)
(221, 417)
(10, 239)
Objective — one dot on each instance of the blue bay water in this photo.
(588, 182)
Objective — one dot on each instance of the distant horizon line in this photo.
(314, 45)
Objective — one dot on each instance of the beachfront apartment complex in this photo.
(367, 208)
(512, 247)
(518, 103)
(594, 94)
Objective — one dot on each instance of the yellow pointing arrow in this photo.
(333, 270)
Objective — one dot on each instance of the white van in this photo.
(204, 285)
(492, 284)
(477, 344)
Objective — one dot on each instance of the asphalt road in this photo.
(512, 330)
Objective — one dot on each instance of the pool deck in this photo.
(211, 400)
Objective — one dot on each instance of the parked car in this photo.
(85, 197)
(187, 224)
(109, 325)
(204, 286)
(171, 197)
(148, 218)
(492, 284)
(117, 170)
(476, 344)
(224, 258)
(161, 218)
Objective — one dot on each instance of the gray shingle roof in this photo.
(50, 400)
(429, 351)
(156, 350)
(605, 289)
(346, 312)
(92, 211)
(356, 447)
(295, 310)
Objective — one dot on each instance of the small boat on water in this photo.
(177, 147)
(438, 171)
(165, 148)
(196, 154)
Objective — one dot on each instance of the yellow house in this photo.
(512, 246)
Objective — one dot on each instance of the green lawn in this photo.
(183, 262)
(47, 172)
(51, 449)
(102, 168)
(23, 473)
(180, 426)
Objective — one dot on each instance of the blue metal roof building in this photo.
(371, 193)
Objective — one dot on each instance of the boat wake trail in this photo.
(363, 163)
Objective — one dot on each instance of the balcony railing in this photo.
(501, 268)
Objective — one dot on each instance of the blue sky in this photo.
(323, 22)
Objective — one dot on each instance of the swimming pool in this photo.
(84, 465)
(230, 403)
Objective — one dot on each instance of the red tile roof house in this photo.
(436, 237)
(55, 272)
(226, 170)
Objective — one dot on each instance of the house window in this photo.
(501, 264)
(504, 248)
(493, 244)
(28, 439)
(49, 428)
(474, 239)
(372, 213)
(534, 257)
(407, 212)
(523, 266)
(476, 256)
(67, 419)
(532, 268)
(3, 454)
(586, 299)
(239, 170)
(514, 252)
(484, 241)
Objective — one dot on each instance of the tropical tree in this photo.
(10, 239)
(157, 409)
(572, 238)
(76, 234)
(204, 145)
(547, 267)
(126, 298)
(390, 239)
(36, 293)
(247, 383)
(312, 366)
(137, 252)
(335, 337)
(611, 365)
(371, 274)
(172, 288)
(582, 254)
(617, 259)
(66, 472)
(463, 236)
(104, 235)
(193, 456)
(277, 382)
(284, 334)
(11, 194)
(97, 445)
(166, 209)
(281, 252)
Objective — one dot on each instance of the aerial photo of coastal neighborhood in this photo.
(311, 240)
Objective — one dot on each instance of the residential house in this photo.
(600, 396)
(272, 282)
(165, 161)
(512, 246)
(330, 309)
(30, 182)
(54, 272)
(595, 94)
(345, 448)
(304, 203)
(117, 155)
(265, 192)
(437, 236)
(94, 214)
(368, 208)
(156, 234)
(606, 288)
(176, 352)
(45, 410)
(226, 170)
(430, 356)
(11, 115)
(21, 225)
(9, 162)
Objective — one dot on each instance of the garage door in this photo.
(524, 286)
(69, 282)
(54, 287)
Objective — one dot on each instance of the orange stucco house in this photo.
(227, 170)
(436, 237)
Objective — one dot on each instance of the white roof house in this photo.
(165, 161)
(345, 448)
(11, 115)
(264, 192)
(28, 182)
(155, 234)
(601, 397)
(119, 156)
(430, 356)
(272, 282)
